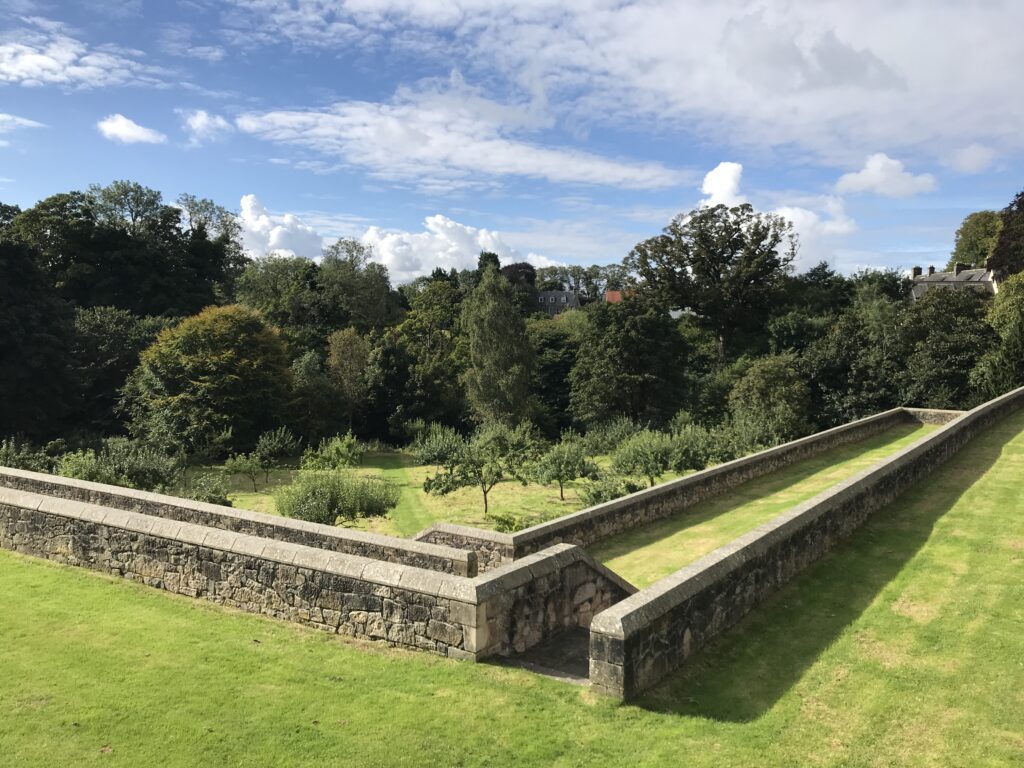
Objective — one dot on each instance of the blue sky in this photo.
(555, 131)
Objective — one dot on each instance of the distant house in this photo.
(961, 278)
(556, 302)
(613, 297)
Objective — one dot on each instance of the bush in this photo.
(211, 487)
(607, 487)
(124, 462)
(20, 455)
(335, 452)
(609, 435)
(326, 497)
(647, 453)
(692, 447)
(436, 445)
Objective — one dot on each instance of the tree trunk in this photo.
(561, 492)
(485, 500)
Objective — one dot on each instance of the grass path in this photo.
(644, 555)
(903, 647)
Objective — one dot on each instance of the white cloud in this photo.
(203, 127)
(42, 52)
(833, 77)
(176, 40)
(974, 158)
(722, 185)
(887, 177)
(818, 222)
(442, 139)
(264, 232)
(119, 128)
(11, 123)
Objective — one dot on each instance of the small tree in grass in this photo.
(647, 454)
(273, 447)
(245, 464)
(562, 463)
(493, 453)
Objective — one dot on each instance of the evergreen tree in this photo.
(500, 359)
(1008, 254)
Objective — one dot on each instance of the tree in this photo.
(647, 454)
(355, 290)
(35, 326)
(1008, 254)
(523, 277)
(723, 263)
(285, 291)
(562, 463)
(245, 464)
(770, 404)
(975, 239)
(274, 447)
(500, 361)
(630, 362)
(347, 360)
(494, 452)
(221, 370)
(554, 345)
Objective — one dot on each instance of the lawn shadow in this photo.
(745, 672)
(751, 490)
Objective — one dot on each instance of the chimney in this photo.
(915, 272)
(931, 270)
(958, 268)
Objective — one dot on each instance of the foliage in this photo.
(1008, 254)
(335, 452)
(646, 454)
(273, 447)
(437, 444)
(771, 401)
(723, 263)
(606, 436)
(209, 487)
(693, 447)
(247, 465)
(223, 369)
(329, 496)
(347, 361)
(607, 487)
(19, 454)
(494, 452)
(497, 377)
(976, 239)
(562, 463)
(124, 462)
(554, 346)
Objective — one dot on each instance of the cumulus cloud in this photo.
(833, 77)
(177, 40)
(265, 233)
(11, 123)
(818, 221)
(203, 127)
(121, 129)
(974, 158)
(722, 185)
(887, 177)
(43, 52)
(441, 139)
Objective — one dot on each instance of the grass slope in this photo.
(903, 647)
(644, 555)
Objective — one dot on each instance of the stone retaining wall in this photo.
(435, 557)
(639, 641)
(504, 611)
(492, 549)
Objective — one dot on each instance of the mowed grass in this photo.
(644, 555)
(905, 646)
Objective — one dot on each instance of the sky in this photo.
(554, 131)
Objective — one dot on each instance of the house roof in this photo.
(975, 279)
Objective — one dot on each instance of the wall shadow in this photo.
(746, 671)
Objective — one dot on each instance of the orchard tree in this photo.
(975, 239)
(562, 463)
(500, 360)
(646, 454)
(223, 370)
(725, 264)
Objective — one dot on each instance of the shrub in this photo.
(273, 447)
(245, 464)
(771, 402)
(647, 453)
(606, 436)
(211, 487)
(436, 444)
(335, 452)
(606, 487)
(325, 497)
(120, 461)
(21, 455)
(692, 447)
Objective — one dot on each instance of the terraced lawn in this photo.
(644, 555)
(903, 647)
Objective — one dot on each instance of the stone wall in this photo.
(491, 548)
(502, 612)
(933, 415)
(435, 557)
(639, 641)
(594, 524)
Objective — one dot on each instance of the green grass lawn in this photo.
(417, 509)
(905, 646)
(644, 555)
